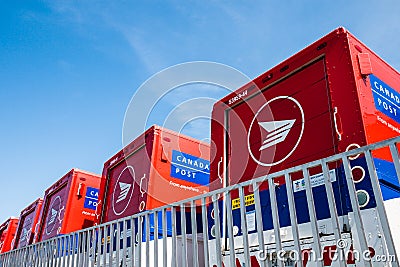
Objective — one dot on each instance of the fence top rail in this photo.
(217, 193)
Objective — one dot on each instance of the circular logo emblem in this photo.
(275, 131)
(26, 230)
(52, 216)
(123, 190)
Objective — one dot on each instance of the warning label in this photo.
(248, 201)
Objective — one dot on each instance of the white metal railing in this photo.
(208, 231)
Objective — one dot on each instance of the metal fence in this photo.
(276, 220)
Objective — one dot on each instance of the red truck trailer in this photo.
(157, 168)
(7, 234)
(333, 96)
(27, 225)
(70, 204)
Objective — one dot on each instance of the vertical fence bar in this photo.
(32, 255)
(105, 244)
(380, 206)
(155, 238)
(245, 232)
(313, 216)
(395, 158)
(83, 249)
(332, 209)
(356, 209)
(147, 223)
(67, 247)
(17, 255)
(50, 253)
(259, 223)
(217, 225)
(95, 245)
(4, 260)
(275, 219)
(117, 241)
(293, 217)
(195, 257)
(133, 241)
(229, 227)
(183, 235)
(74, 249)
(204, 220)
(112, 241)
(89, 246)
(174, 226)
(78, 249)
(63, 252)
(42, 255)
(25, 259)
(124, 241)
(164, 235)
(140, 240)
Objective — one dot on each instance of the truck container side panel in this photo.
(82, 200)
(178, 170)
(7, 234)
(379, 95)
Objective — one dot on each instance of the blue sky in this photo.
(68, 69)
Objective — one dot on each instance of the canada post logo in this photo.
(275, 131)
(123, 190)
(190, 168)
(91, 198)
(53, 215)
(386, 99)
(26, 230)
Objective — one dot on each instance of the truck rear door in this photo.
(287, 124)
(54, 211)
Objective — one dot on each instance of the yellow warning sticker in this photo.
(248, 200)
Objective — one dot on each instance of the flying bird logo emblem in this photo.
(124, 187)
(277, 132)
